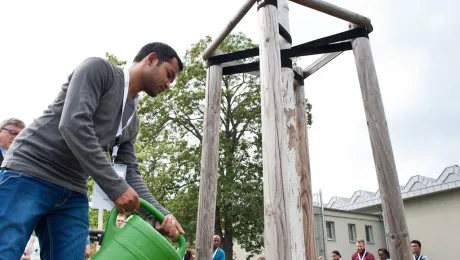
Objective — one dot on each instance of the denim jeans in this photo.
(58, 215)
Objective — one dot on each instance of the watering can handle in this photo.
(158, 216)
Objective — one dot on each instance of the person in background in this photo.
(88, 248)
(417, 250)
(384, 254)
(320, 257)
(121, 218)
(217, 253)
(190, 254)
(335, 255)
(361, 253)
(9, 129)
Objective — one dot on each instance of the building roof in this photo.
(416, 186)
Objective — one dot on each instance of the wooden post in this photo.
(319, 63)
(209, 164)
(277, 237)
(100, 219)
(303, 169)
(291, 178)
(228, 29)
(387, 176)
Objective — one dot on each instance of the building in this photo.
(342, 228)
(432, 208)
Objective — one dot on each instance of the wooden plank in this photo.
(228, 29)
(336, 11)
(390, 192)
(319, 63)
(291, 178)
(209, 164)
(303, 169)
(277, 243)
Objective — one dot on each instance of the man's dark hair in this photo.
(337, 253)
(416, 242)
(384, 250)
(164, 53)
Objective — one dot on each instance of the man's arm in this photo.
(127, 155)
(88, 83)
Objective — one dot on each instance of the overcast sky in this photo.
(413, 45)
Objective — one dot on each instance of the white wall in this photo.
(342, 243)
(435, 221)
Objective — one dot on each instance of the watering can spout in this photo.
(137, 239)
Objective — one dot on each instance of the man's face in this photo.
(158, 77)
(7, 135)
(120, 220)
(216, 242)
(335, 257)
(415, 248)
(360, 247)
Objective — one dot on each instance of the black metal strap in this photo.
(238, 55)
(323, 45)
(263, 3)
(343, 36)
(255, 66)
(285, 34)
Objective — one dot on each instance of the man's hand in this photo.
(170, 227)
(128, 201)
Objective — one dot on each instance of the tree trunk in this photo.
(228, 241)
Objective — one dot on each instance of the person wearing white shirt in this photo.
(417, 250)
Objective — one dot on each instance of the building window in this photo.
(352, 232)
(369, 234)
(330, 229)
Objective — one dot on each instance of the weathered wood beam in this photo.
(228, 29)
(319, 63)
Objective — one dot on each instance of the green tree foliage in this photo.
(169, 149)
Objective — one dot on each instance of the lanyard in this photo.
(361, 258)
(215, 252)
(419, 257)
(120, 127)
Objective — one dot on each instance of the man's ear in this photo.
(152, 59)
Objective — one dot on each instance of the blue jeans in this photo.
(58, 215)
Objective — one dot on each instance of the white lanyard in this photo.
(419, 257)
(361, 258)
(120, 127)
(215, 252)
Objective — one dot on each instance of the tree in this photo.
(169, 146)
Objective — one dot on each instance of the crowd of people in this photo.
(383, 254)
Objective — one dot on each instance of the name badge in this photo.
(100, 200)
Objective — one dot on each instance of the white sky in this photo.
(414, 51)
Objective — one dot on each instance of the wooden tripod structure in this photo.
(288, 216)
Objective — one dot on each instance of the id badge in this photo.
(100, 200)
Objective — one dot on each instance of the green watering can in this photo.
(137, 239)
